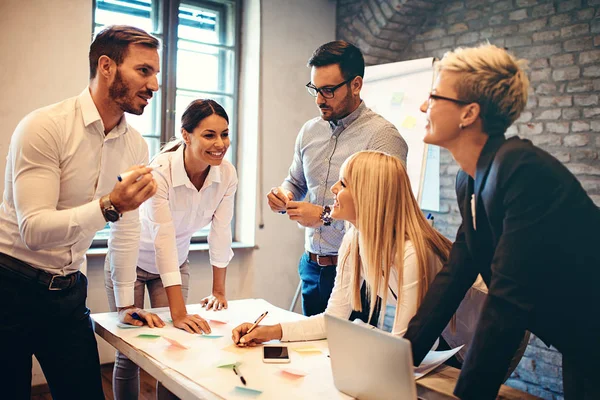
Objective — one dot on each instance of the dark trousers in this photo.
(317, 283)
(580, 379)
(55, 326)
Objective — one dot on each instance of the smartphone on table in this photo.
(276, 354)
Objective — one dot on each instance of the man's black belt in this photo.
(26, 272)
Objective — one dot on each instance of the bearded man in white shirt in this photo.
(61, 188)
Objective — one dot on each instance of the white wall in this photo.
(43, 59)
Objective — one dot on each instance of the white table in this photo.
(193, 374)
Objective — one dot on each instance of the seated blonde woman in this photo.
(390, 246)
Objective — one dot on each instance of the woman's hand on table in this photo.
(260, 334)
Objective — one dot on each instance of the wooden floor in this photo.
(147, 386)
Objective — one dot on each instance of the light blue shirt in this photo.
(321, 148)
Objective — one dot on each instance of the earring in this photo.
(461, 126)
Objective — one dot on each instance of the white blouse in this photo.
(178, 210)
(313, 328)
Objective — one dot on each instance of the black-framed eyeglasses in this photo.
(327, 92)
(433, 96)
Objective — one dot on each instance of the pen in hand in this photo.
(124, 175)
(262, 316)
(240, 375)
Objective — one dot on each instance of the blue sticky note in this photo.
(211, 336)
(247, 391)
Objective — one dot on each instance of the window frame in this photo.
(165, 23)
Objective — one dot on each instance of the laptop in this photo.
(368, 363)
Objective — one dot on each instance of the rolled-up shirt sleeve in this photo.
(295, 182)
(123, 247)
(35, 150)
(219, 237)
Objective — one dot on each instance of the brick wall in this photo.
(561, 39)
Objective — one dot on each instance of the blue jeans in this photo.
(317, 283)
(55, 326)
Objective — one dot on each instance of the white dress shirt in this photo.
(59, 164)
(313, 328)
(178, 210)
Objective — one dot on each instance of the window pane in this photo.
(198, 23)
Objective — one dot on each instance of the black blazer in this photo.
(537, 246)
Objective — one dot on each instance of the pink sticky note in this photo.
(219, 320)
(296, 372)
(175, 343)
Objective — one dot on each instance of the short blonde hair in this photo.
(492, 78)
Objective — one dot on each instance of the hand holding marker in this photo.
(124, 175)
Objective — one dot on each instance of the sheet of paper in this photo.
(434, 359)
(127, 326)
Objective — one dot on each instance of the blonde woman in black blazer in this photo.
(528, 227)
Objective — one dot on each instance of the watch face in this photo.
(111, 215)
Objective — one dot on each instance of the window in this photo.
(198, 60)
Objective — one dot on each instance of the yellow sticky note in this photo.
(409, 122)
(307, 350)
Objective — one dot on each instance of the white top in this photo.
(59, 164)
(313, 328)
(178, 210)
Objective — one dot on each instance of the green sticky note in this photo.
(211, 336)
(247, 391)
(147, 336)
(228, 364)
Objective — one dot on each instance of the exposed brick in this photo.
(544, 50)
(548, 140)
(524, 117)
(545, 88)
(532, 26)
(387, 10)
(531, 128)
(566, 74)
(505, 30)
(417, 47)
(562, 60)
(570, 113)
(516, 41)
(597, 41)
(496, 19)
(580, 86)
(458, 28)
(555, 101)
(557, 127)
(454, 6)
(560, 20)
(585, 155)
(500, 6)
(593, 71)
(467, 38)
(580, 126)
(473, 15)
(595, 25)
(474, 3)
(574, 30)
(587, 13)
(585, 100)
(539, 63)
(545, 36)
(591, 112)
(553, 114)
(432, 34)
(377, 14)
(432, 44)
(526, 3)
(563, 157)
(568, 5)
(575, 140)
(367, 13)
(595, 125)
(590, 184)
(543, 10)
(578, 44)
(518, 15)
(597, 84)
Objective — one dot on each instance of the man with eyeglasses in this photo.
(345, 126)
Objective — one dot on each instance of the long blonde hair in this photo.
(387, 215)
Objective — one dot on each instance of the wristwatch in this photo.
(110, 212)
(326, 216)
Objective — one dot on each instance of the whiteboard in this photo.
(396, 91)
